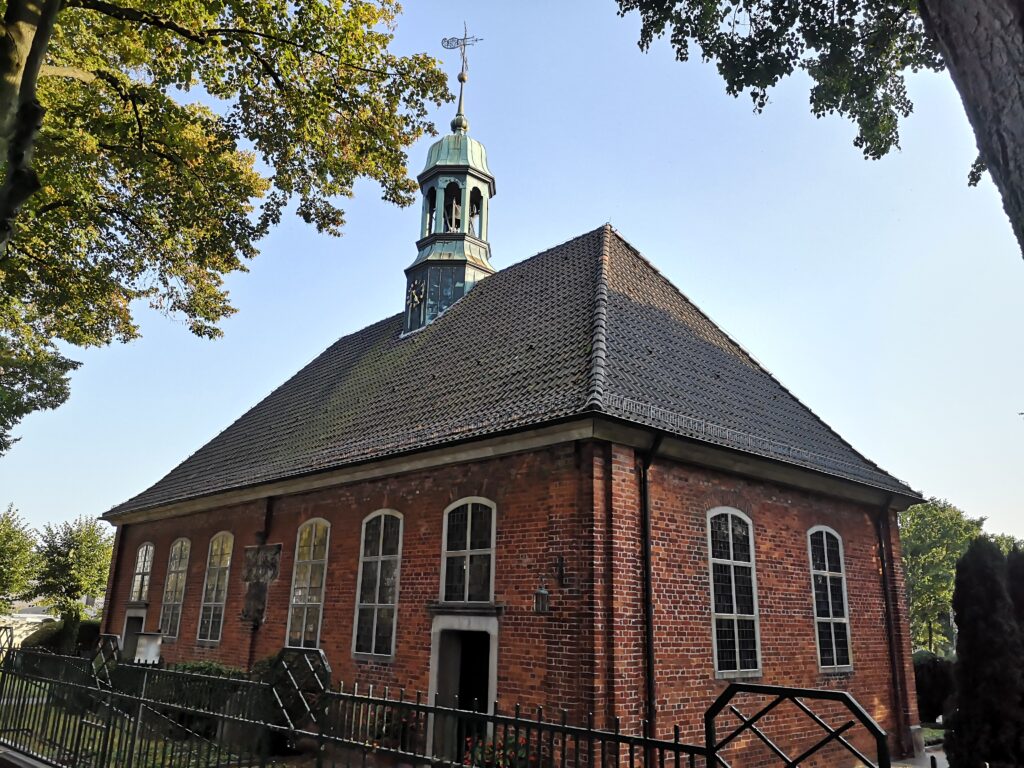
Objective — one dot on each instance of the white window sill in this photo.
(739, 674)
(845, 670)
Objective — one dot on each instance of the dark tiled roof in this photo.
(588, 325)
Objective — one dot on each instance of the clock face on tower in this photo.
(415, 296)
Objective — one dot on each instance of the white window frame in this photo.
(846, 601)
(359, 582)
(468, 552)
(323, 584)
(203, 604)
(734, 673)
(183, 571)
(139, 593)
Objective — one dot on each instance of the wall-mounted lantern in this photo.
(542, 600)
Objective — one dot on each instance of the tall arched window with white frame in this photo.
(140, 578)
(467, 567)
(308, 576)
(828, 590)
(735, 634)
(380, 565)
(174, 587)
(215, 587)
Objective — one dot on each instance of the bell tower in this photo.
(453, 253)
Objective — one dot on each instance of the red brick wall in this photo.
(578, 503)
(542, 658)
(685, 679)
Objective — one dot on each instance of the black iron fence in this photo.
(413, 731)
(102, 713)
(54, 711)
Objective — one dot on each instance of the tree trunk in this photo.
(21, 19)
(21, 180)
(68, 643)
(982, 42)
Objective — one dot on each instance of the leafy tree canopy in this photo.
(1006, 542)
(934, 536)
(74, 559)
(174, 134)
(17, 558)
(857, 54)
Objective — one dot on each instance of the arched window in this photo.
(736, 635)
(308, 584)
(215, 588)
(174, 587)
(828, 585)
(476, 209)
(140, 579)
(467, 568)
(380, 560)
(453, 207)
(430, 214)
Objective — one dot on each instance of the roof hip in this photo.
(599, 329)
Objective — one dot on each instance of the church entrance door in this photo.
(463, 676)
(463, 661)
(133, 625)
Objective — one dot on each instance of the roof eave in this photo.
(590, 424)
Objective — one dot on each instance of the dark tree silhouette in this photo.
(1015, 585)
(986, 723)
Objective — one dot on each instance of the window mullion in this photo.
(374, 608)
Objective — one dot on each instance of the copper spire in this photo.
(459, 123)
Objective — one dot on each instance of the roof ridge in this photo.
(599, 329)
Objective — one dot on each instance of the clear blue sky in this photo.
(887, 295)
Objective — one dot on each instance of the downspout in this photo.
(883, 532)
(645, 535)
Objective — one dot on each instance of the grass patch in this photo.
(933, 736)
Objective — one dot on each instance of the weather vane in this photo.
(451, 43)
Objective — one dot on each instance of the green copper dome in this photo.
(458, 149)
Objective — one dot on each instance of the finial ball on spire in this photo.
(463, 77)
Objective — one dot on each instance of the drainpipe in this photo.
(884, 532)
(645, 536)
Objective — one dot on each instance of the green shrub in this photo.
(43, 637)
(261, 669)
(934, 678)
(209, 668)
(48, 636)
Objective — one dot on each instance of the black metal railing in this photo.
(408, 728)
(771, 698)
(69, 711)
(69, 720)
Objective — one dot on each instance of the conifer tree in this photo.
(986, 723)
(1015, 584)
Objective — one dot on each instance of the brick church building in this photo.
(559, 483)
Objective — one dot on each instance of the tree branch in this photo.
(212, 34)
(74, 73)
(137, 16)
